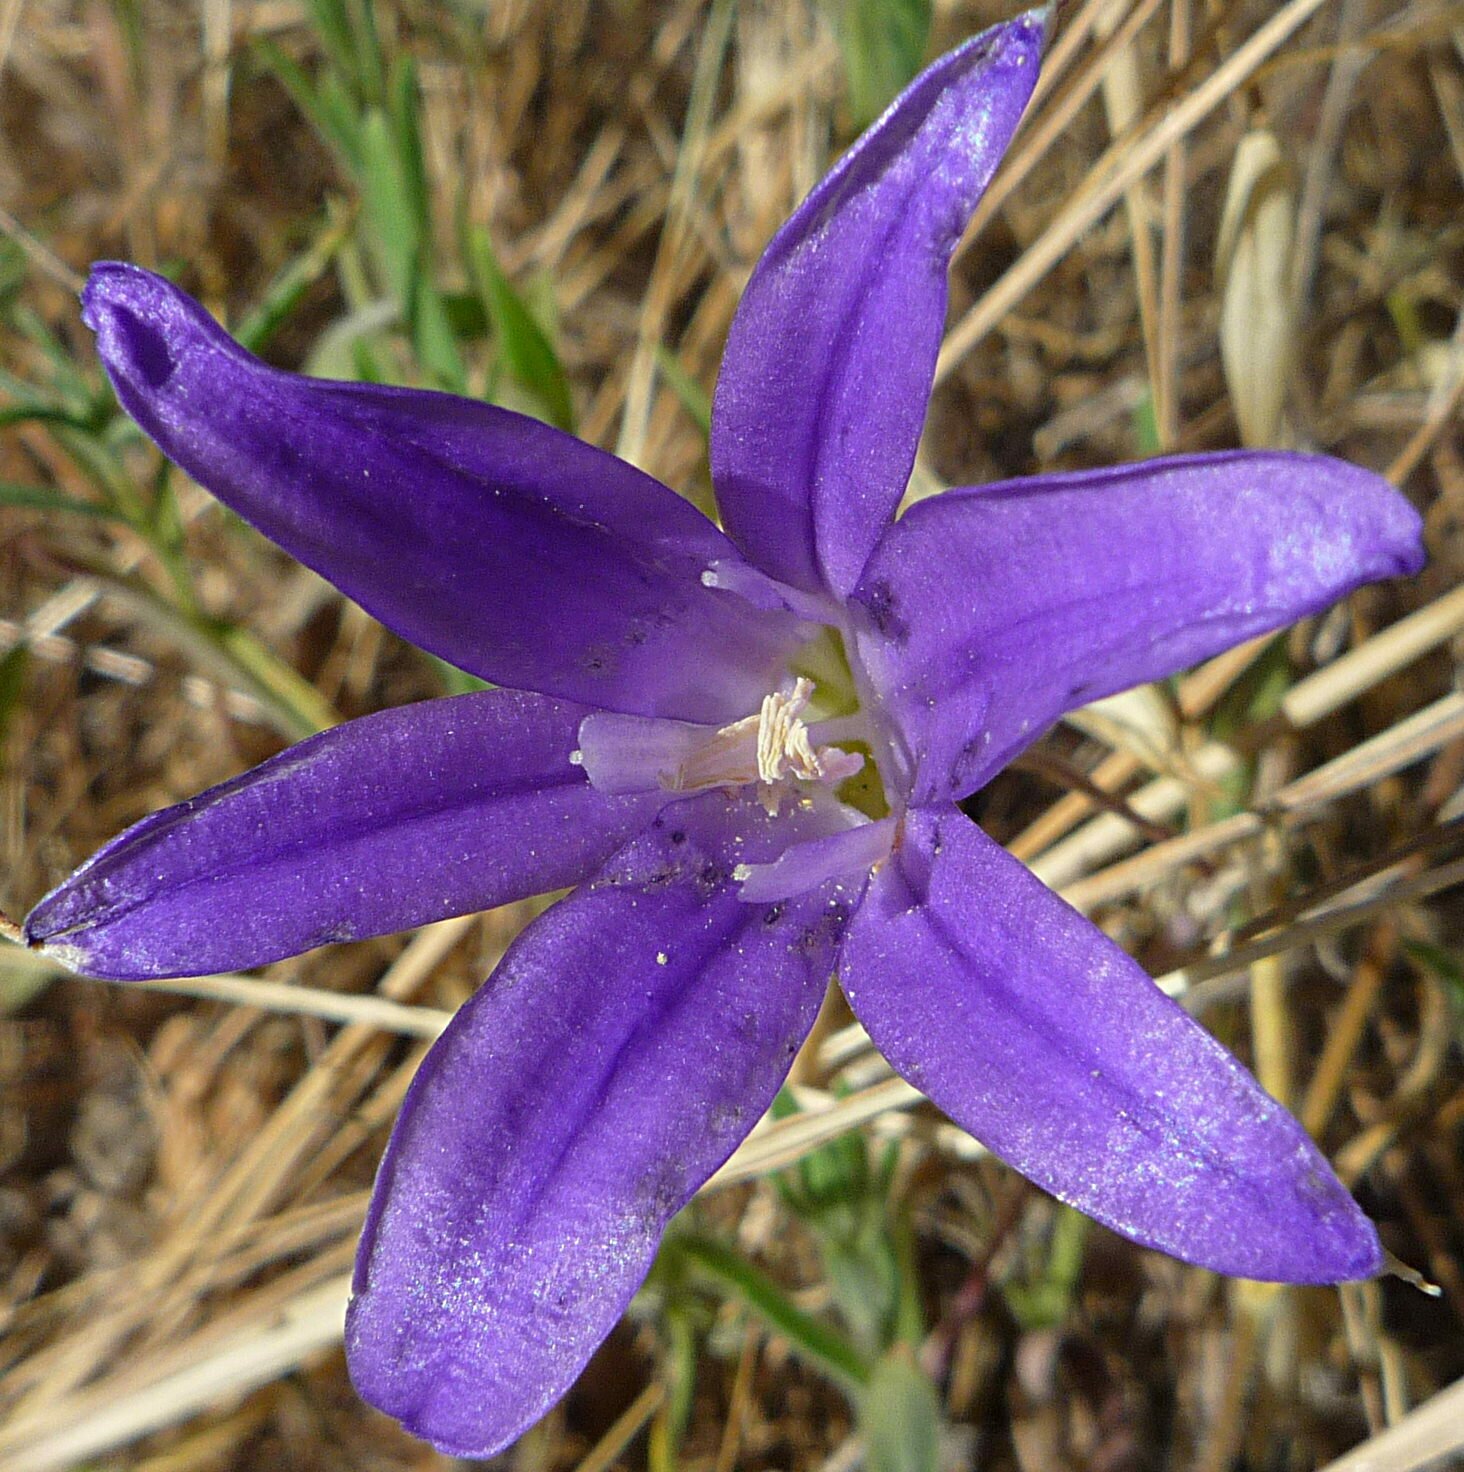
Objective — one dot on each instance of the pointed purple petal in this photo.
(387, 822)
(990, 612)
(625, 1045)
(505, 546)
(828, 368)
(1036, 1033)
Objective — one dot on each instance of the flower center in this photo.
(842, 821)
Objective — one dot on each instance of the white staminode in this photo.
(771, 748)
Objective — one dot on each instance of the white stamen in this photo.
(782, 739)
(771, 748)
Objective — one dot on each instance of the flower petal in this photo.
(990, 612)
(627, 1042)
(505, 546)
(1033, 1031)
(828, 368)
(387, 822)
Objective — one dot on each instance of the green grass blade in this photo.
(900, 1414)
(405, 109)
(287, 290)
(370, 63)
(816, 1341)
(389, 216)
(66, 379)
(97, 459)
(299, 708)
(329, 112)
(39, 498)
(332, 24)
(883, 43)
(527, 352)
(694, 398)
(433, 339)
(33, 412)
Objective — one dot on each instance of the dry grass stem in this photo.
(619, 1436)
(1306, 703)
(1413, 739)
(97, 1425)
(1423, 1438)
(1123, 165)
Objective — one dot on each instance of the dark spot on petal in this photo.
(827, 931)
(597, 660)
(710, 878)
(879, 602)
(724, 1118)
(773, 915)
(968, 761)
(661, 1196)
(677, 835)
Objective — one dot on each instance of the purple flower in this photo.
(746, 752)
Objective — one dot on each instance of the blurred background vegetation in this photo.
(1225, 222)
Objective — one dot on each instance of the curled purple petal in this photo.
(507, 547)
(823, 388)
(987, 613)
(626, 1043)
(1036, 1033)
(387, 822)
